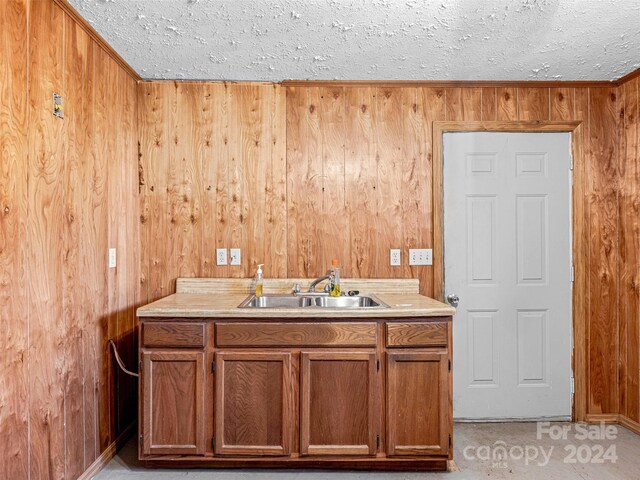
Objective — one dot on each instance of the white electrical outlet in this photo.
(394, 257)
(235, 259)
(420, 256)
(112, 258)
(221, 256)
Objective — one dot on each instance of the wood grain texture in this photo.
(602, 194)
(418, 422)
(14, 354)
(57, 303)
(629, 249)
(337, 403)
(174, 335)
(174, 402)
(295, 334)
(77, 45)
(253, 403)
(417, 334)
(45, 217)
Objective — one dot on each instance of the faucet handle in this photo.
(296, 288)
(327, 288)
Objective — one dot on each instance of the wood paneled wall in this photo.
(68, 191)
(629, 242)
(212, 163)
(358, 172)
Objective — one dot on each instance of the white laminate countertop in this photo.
(198, 305)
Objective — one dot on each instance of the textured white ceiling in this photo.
(275, 40)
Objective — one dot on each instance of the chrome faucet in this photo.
(312, 287)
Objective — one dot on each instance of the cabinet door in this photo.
(253, 410)
(417, 403)
(173, 416)
(338, 403)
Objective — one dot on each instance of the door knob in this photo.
(453, 299)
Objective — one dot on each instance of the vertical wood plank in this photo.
(360, 181)
(91, 199)
(304, 184)
(463, 104)
(236, 221)
(629, 303)
(45, 218)
(603, 208)
(155, 100)
(215, 167)
(581, 235)
(388, 227)
(276, 199)
(533, 103)
(433, 109)
(186, 165)
(14, 353)
(333, 228)
(105, 145)
(128, 251)
(77, 44)
(561, 104)
(489, 104)
(411, 181)
(506, 103)
(256, 150)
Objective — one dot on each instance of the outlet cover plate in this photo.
(221, 256)
(235, 256)
(420, 256)
(112, 258)
(395, 258)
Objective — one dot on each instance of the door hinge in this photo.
(449, 364)
(573, 274)
(140, 440)
(213, 442)
(213, 367)
(450, 441)
(573, 386)
(571, 161)
(378, 365)
(378, 441)
(140, 365)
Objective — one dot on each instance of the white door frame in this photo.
(578, 232)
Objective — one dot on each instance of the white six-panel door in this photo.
(507, 256)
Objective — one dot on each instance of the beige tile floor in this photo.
(473, 443)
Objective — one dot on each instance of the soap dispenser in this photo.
(334, 279)
(259, 280)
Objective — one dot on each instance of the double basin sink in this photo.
(309, 301)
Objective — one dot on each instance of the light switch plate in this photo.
(235, 259)
(395, 257)
(112, 258)
(420, 256)
(221, 256)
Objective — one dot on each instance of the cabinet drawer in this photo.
(173, 334)
(417, 334)
(296, 334)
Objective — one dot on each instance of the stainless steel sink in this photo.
(349, 302)
(276, 301)
(321, 301)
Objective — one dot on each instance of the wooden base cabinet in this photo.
(173, 403)
(265, 393)
(418, 403)
(253, 407)
(337, 403)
